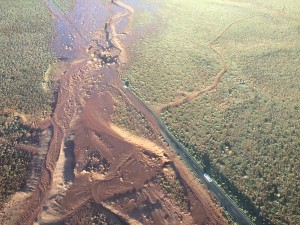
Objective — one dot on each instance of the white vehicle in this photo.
(207, 177)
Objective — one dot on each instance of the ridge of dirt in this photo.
(138, 141)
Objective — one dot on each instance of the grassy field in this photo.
(248, 127)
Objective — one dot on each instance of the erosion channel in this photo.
(94, 168)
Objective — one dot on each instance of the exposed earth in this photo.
(94, 171)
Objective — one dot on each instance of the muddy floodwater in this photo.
(91, 164)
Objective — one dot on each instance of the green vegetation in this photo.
(246, 131)
(174, 190)
(143, 18)
(13, 130)
(25, 37)
(92, 214)
(14, 166)
(129, 118)
(25, 55)
(65, 5)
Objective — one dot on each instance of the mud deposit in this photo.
(96, 172)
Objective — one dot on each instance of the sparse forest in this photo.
(25, 37)
(246, 130)
(128, 117)
(14, 166)
(26, 32)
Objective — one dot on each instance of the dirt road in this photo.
(182, 96)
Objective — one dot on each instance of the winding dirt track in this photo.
(182, 96)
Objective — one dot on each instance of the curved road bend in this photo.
(236, 214)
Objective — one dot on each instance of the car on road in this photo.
(207, 177)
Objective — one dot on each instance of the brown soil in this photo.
(94, 168)
(12, 113)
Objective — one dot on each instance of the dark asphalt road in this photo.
(230, 207)
(235, 213)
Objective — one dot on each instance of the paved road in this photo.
(227, 203)
(232, 209)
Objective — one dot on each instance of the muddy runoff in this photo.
(94, 168)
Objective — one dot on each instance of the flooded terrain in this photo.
(92, 167)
